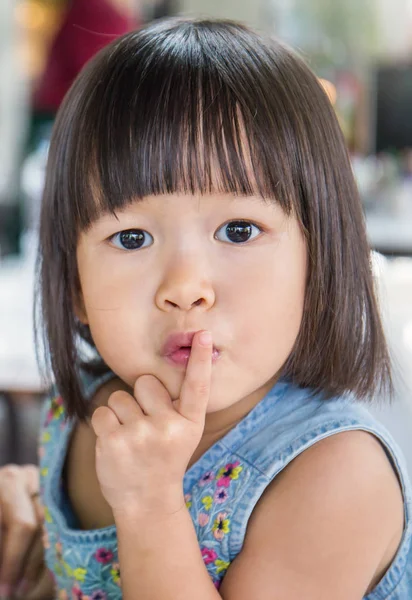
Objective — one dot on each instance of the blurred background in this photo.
(362, 52)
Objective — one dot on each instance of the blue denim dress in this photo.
(221, 489)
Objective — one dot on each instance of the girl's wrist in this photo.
(162, 508)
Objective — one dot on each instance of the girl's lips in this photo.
(178, 347)
(181, 356)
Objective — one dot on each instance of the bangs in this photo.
(167, 113)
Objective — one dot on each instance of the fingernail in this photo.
(22, 588)
(205, 338)
(5, 591)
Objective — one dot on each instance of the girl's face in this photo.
(180, 263)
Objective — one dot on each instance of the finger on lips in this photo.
(195, 390)
(151, 397)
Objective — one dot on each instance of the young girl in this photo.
(212, 329)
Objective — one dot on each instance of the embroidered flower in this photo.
(77, 594)
(56, 410)
(188, 499)
(79, 574)
(221, 526)
(222, 565)
(47, 515)
(46, 437)
(217, 583)
(203, 519)
(227, 473)
(209, 476)
(103, 555)
(99, 595)
(209, 555)
(44, 472)
(115, 573)
(207, 502)
(221, 496)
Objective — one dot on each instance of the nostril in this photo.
(198, 302)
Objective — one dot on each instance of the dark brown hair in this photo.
(196, 106)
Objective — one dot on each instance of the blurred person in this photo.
(210, 317)
(88, 25)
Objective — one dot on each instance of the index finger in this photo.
(195, 392)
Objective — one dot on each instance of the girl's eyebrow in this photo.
(106, 217)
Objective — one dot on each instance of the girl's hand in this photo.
(23, 572)
(144, 443)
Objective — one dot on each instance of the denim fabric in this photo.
(221, 489)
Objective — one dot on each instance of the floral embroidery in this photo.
(227, 473)
(221, 526)
(56, 410)
(207, 501)
(77, 594)
(79, 574)
(99, 595)
(47, 515)
(103, 555)
(92, 571)
(222, 565)
(209, 476)
(203, 519)
(115, 573)
(209, 555)
(221, 496)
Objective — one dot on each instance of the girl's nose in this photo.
(184, 287)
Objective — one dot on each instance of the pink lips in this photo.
(178, 347)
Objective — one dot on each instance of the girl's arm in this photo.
(329, 526)
(160, 558)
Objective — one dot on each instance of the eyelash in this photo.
(238, 222)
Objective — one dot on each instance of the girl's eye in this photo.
(237, 232)
(131, 239)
